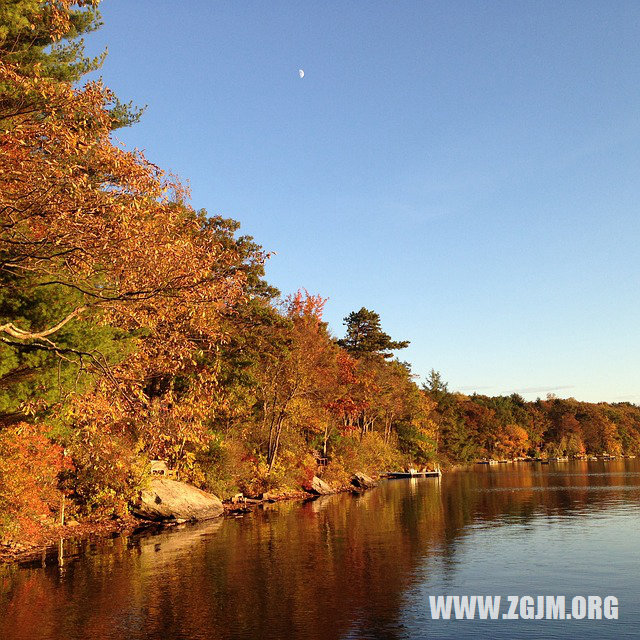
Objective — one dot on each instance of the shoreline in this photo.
(24, 552)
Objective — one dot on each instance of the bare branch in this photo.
(20, 334)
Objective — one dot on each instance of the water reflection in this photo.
(353, 567)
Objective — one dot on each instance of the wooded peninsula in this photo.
(134, 328)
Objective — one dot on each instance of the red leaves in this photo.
(304, 305)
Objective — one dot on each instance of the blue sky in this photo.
(469, 170)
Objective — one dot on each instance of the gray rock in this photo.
(363, 481)
(319, 487)
(172, 500)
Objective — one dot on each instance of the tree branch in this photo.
(20, 334)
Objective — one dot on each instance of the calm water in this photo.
(356, 567)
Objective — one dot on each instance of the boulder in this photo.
(319, 487)
(363, 481)
(167, 499)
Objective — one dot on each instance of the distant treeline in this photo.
(476, 427)
(133, 328)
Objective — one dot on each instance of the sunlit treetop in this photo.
(44, 39)
(366, 337)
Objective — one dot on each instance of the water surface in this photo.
(355, 567)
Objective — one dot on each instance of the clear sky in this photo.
(469, 170)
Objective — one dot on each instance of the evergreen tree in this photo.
(366, 337)
(44, 39)
(30, 39)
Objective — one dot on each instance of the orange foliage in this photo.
(81, 213)
(513, 441)
(29, 468)
(304, 305)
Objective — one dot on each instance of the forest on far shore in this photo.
(135, 328)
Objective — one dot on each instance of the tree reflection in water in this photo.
(340, 566)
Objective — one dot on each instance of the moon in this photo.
(301, 73)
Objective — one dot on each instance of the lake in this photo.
(356, 566)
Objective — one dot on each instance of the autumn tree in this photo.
(41, 53)
(512, 441)
(297, 380)
(105, 270)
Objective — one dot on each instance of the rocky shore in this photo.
(166, 503)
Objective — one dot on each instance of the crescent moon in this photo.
(301, 73)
